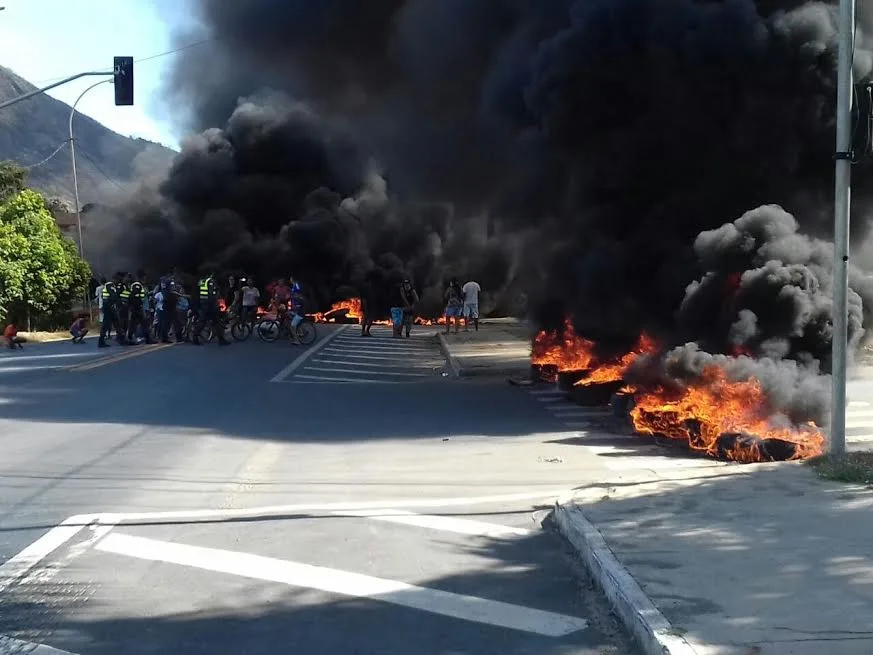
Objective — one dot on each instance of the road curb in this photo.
(453, 362)
(637, 612)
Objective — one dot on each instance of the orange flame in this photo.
(564, 350)
(715, 406)
(614, 371)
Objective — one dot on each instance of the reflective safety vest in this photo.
(137, 290)
(205, 285)
(124, 294)
(108, 292)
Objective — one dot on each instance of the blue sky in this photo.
(44, 40)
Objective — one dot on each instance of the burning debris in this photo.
(724, 418)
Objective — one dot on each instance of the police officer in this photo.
(122, 307)
(136, 310)
(109, 294)
(209, 311)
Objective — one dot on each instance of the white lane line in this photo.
(355, 370)
(443, 523)
(17, 567)
(545, 495)
(345, 583)
(858, 403)
(10, 646)
(333, 352)
(387, 343)
(546, 392)
(859, 412)
(377, 365)
(383, 351)
(297, 363)
(551, 399)
(323, 379)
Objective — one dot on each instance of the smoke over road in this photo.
(584, 152)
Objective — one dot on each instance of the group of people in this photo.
(462, 302)
(135, 312)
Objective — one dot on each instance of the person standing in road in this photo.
(136, 311)
(109, 293)
(122, 305)
(98, 297)
(454, 305)
(471, 304)
(250, 299)
(368, 295)
(409, 297)
(209, 312)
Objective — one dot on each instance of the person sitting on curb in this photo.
(10, 335)
(79, 329)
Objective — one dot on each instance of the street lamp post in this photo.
(76, 180)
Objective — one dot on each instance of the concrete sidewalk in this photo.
(501, 347)
(730, 559)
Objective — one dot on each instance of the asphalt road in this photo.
(264, 498)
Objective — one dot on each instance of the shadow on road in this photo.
(215, 613)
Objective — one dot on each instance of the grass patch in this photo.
(856, 468)
(45, 337)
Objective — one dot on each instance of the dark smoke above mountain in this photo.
(576, 146)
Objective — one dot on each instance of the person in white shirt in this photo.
(250, 299)
(471, 304)
(98, 296)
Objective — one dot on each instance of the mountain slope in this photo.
(33, 129)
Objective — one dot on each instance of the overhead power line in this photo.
(50, 157)
(137, 61)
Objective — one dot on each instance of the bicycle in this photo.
(270, 330)
(241, 326)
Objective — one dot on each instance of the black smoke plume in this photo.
(576, 148)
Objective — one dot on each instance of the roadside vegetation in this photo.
(41, 273)
(855, 468)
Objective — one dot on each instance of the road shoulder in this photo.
(728, 560)
(500, 348)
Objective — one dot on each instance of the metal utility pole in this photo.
(842, 201)
(76, 180)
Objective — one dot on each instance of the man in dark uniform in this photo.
(208, 294)
(136, 313)
(169, 317)
(109, 294)
(122, 306)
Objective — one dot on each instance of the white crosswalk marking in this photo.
(347, 583)
(379, 359)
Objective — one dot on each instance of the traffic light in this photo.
(123, 74)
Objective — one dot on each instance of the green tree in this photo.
(41, 272)
(12, 180)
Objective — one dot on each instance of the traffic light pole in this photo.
(76, 181)
(36, 92)
(842, 198)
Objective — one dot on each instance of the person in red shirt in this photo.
(10, 335)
